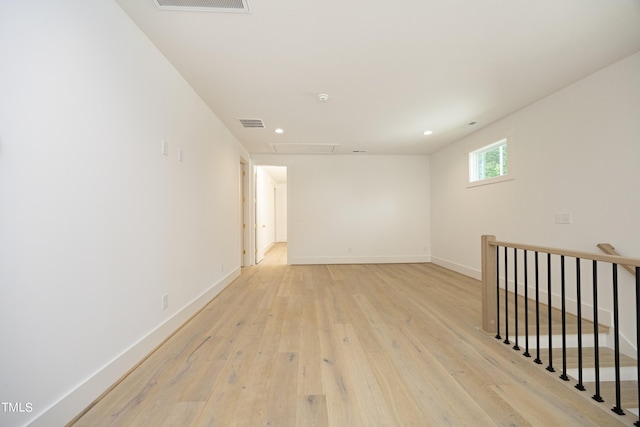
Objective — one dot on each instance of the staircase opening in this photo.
(567, 310)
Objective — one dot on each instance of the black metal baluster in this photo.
(526, 307)
(537, 359)
(617, 409)
(637, 423)
(550, 366)
(563, 376)
(506, 298)
(498, 293)
(596, 336)
(515, 294)
(579, 386)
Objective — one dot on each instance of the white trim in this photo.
(488, 181)
(627, 373)
(588, 340)
(389, 259)
(627, 346)
(458, 268)
(263, 252)
(80, 397)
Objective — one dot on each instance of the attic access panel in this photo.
(293, 148)
(237, 6)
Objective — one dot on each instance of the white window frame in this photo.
(474, 178)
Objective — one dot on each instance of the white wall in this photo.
(356, 209)
(575, 151)
(281, 212)
(96, 225)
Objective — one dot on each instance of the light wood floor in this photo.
(344, 346)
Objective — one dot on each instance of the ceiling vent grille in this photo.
(251, 123)
(238, 6)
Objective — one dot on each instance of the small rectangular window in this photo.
(489, 162)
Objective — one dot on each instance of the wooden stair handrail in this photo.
(608, 249)
(613, 259)
(489, 243)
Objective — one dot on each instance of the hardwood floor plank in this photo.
(417, 366)
(310, 373)
(343, 345)
(280, 408)
(256, 389)
(628, 393)
(401, 402)
(291, 326)
(183, 413)
(312, 411)
(537, 410)
(340, 400)
(207, 372)
(359, 380)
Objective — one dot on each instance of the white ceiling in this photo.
(391, 69)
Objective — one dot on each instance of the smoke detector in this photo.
(323, 97)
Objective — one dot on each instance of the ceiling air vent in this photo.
(238, 6)
(252, 123)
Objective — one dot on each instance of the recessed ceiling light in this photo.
(279, 130)
(427, 132)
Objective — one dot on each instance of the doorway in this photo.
(270, 208)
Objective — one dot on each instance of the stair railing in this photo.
(496, 265)
(608, 249)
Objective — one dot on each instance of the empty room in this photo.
(319, 213)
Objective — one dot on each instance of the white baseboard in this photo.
(262, 252)
(392, 259)
(458, 268)
(627, 346)
(627, 373)
(80, 397)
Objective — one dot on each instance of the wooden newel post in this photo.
(489, 288)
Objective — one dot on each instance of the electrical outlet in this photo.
(563, 218)
(165, 301)
(165, 148)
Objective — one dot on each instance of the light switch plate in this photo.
(563, 218)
